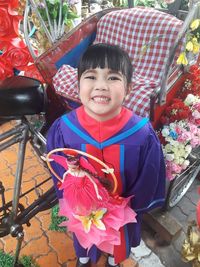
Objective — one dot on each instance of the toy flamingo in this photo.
(94, 214)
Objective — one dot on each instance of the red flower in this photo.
(6, 70)
(18, 57)
(8, 24)
(5, 2)
(175, 112)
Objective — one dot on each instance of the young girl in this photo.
(102, 127)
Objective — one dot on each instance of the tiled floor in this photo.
(48, 248)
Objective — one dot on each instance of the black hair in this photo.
(106, 56)
(104, 181)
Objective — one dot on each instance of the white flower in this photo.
(172, 125)
(169, 157)
(185, 164)
(165, 132)
(188, 149)
(168, 148)
(189, 100)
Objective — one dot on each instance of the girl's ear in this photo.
(129, 88)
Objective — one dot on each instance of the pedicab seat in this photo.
(147, 35)
(21, 96)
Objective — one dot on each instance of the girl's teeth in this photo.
(101, 99)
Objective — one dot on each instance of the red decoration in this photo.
(175, 112)
(14, 53)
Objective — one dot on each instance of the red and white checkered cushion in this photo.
(132, 29)
(65, 82)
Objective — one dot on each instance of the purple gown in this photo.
(130, 146)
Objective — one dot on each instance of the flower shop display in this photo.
(180, 131)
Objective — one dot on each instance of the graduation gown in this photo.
(128, 144)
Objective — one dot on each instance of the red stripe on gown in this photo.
(110, 154)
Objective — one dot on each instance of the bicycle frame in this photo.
(11, 221)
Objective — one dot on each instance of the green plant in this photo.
(56, 220)
(7, 260)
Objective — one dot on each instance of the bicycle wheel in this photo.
(180, 185)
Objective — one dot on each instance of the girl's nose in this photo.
(101, 85)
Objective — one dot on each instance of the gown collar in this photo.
(103, 130)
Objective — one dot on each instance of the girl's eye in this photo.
(114, 78)
(91, 77)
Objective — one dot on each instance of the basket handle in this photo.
(48, 161)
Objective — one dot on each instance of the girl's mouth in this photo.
(101, 99)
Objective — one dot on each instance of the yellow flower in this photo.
(94, 218)
(189, 46)
(196, 48)
(195, 24)
(182, 59)
(196, 45)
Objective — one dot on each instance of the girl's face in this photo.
(102, 92)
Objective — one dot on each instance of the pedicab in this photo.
(151, 37)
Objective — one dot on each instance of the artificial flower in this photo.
(189, 46)
(9, 24)
(94, 218)
(195, 24)
(182, 59)
(192, 45)
(6, 70)
(19, 57)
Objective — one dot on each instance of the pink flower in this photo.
(184, 136)
(176, 168)
(195, 141)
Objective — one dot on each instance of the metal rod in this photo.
(16, 139)
(2, 190)
(60, 18)
(52, 30)
(20, 238)
(18, 174)
(26, 34)
(10, 132)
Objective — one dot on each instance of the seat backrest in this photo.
(145, 33)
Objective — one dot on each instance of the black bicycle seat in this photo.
(20, 95)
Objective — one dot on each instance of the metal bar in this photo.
(18, 174)
(3, 201)
(60, 19)
(10, 132)
(10, 142)
(52, 30)
(26, 34)
(20, 238)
